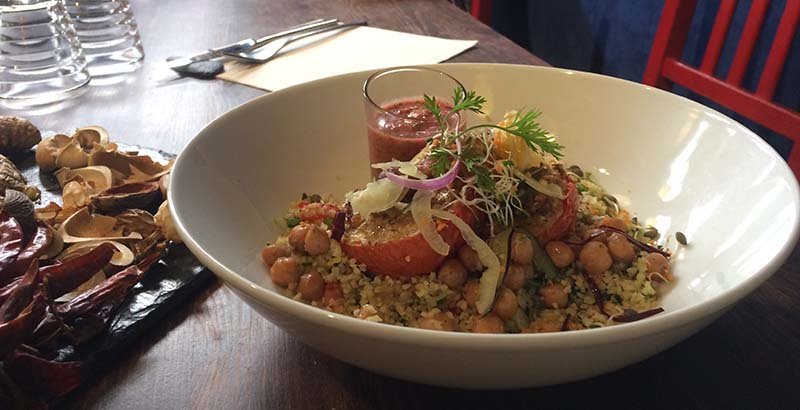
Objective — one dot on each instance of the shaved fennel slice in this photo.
(377, 196)
(491, 276)
(405, 167)
(549, 189)
(422, 213)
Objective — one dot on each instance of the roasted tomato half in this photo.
(553, 218)
(389, 243)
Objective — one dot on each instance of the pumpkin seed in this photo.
(651, 232)
(611, 201)
(681, 238)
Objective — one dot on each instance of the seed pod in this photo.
(18, 205)
(10, 177)
(17, 134)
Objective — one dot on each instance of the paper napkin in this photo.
(361, 48)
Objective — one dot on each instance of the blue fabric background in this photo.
(614, 37)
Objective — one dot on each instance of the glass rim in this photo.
(381, 73)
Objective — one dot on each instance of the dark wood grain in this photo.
(219, 354)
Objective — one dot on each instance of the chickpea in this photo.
(506, 304)
(657, 262)
(469, 258)
(297, 236)
(284, 271)
(515, 277)
(560, 253)
(620, 248)
(311, 286)
(471, 292)
(453, 273)
(614, 223)
(521, 249)
(272, 252)
(490, 323)
(439, 321)
(554, 295)
(316, 241)
(595, 258)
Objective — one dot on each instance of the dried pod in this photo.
(99, 178)
(83, 226)
(76, 194)
(163, 185)
(130, 167)
(10, 177)
(48, 213)
(136, 220)
(88, 136)
(17, 134)
(55, 247)
(72, 156)
(18, 205)
(137, 195)
(164, 221)
(123, 256)
(47, 151)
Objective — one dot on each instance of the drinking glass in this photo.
(108, 34)
(40, 54)
(398, 125)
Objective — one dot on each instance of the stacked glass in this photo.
(45, 45)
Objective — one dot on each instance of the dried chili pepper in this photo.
(11, 241)
(565, 323)
(87, 314)
(599, 296)
(633, 317)
(44, 377)
(7, 290)
(68, 275)
(17, 330)
(39, 242)
(21, 295)
(635, 242)
(338, 226)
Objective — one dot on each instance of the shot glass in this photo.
(398, 124)
(108, 33)
(40, 54)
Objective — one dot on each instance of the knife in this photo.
(249, 43)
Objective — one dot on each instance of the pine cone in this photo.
(17, 134)
(10, 178)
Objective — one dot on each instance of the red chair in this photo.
(482, 10)
(665, 68)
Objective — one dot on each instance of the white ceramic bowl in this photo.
(679, 165)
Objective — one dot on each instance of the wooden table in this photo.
(218, 354)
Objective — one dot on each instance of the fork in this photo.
(266, 52)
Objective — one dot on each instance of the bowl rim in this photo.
(661, 323)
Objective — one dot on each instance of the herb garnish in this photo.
(490, 184)
(523, 125)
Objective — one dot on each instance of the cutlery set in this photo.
(259, 49)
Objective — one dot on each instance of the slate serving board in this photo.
(176, 278)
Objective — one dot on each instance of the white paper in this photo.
(358, 49)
